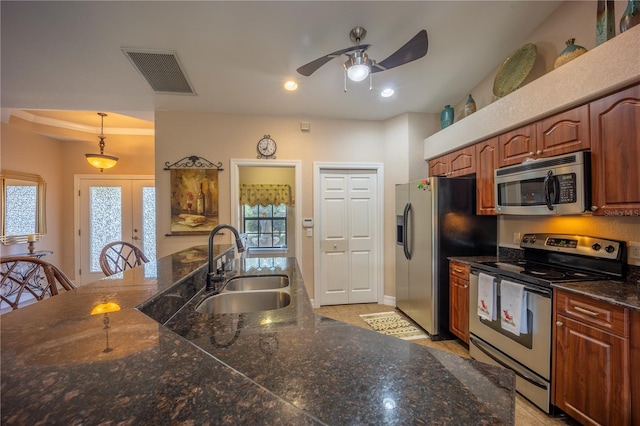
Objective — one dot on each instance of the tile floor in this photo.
(526, 413)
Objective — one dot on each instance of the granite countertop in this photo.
(285, 366)
(623, 293)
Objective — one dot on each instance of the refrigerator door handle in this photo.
(405, 230)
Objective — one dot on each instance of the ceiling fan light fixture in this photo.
(101, 161)
(358, 66)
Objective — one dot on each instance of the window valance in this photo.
(265, 194)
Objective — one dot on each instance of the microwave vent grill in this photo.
(540, 164)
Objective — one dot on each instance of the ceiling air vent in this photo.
(161, 69)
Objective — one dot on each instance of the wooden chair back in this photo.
(119, 256)
(25, 279)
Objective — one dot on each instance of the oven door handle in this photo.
(540, 292)
(518, 371)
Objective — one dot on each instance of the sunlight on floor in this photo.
(526, 413)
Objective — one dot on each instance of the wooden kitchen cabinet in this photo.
(615, 153)
(486, 163)
(591, 376)
(459, 299)
(563, 133)
(558, 134)
(517, 145)
(439, 166)
(458, 163)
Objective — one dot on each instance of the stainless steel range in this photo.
(526, 348)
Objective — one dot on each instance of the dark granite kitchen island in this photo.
(285, 366)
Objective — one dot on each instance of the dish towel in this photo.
(487, 297)
(513, 307)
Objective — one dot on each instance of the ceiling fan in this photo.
(358, 65)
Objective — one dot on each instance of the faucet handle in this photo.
(213, 278)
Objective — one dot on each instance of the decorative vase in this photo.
(605, 16)
(469, 107)
(446, 116)
(570, 52)
(631, 15)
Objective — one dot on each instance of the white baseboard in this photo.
(389, 300)
(386, 300)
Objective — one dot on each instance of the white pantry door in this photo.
(113, 210)
(348, 226)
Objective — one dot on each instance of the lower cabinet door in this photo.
(459, 308)
(590, 383)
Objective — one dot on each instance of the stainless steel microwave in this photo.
(546, 186)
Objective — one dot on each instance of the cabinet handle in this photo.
(530, 153)
(559, 323)
(539, 152)
(457, 270)
(585, 311)
(594, 208)
(465, 286)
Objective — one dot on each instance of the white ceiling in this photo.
(237, 55)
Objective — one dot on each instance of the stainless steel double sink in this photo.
(246, 294)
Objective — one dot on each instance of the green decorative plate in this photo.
(514, 70)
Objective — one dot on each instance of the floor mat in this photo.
(392, 324)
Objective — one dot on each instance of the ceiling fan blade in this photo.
(313, 66)
(414, 49)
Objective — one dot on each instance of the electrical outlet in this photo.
(517, 237)
(633, 253)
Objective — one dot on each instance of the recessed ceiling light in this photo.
(291, 85)
(387, 92)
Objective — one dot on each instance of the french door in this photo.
(113, 209)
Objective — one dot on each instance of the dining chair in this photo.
(119, 256)
(25, 280)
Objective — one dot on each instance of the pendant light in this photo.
(101, 161)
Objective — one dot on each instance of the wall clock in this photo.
(266, 147)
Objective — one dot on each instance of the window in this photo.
(265, 226)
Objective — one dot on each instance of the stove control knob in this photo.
(533, 239)
(596, 246)
(609, 249)
(525, 239)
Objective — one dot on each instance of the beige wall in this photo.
(572, 19)
(27, 152)
(58, 162)
(220, 137)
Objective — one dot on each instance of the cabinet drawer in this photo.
(602, 315)
(459, 270)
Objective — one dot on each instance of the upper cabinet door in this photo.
(517, 145)
(615, 153)
(439, 166)
(486, 163)
(564, 133)
(462, 162)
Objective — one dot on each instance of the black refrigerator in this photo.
(436, 220)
